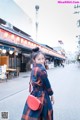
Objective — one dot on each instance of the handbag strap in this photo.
(30, 86)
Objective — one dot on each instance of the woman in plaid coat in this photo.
(41, 88)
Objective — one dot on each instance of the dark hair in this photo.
(35, 49)
(35, 52)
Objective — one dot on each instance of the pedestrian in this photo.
(41, 88)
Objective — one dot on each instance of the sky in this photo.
(56, 22)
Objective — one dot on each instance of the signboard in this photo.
(13, 38)
(3, 72)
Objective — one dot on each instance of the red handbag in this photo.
(33, 103)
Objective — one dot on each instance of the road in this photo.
(65, 83)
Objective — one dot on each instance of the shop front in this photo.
(15, 59)
(9, 58)
(15, 50)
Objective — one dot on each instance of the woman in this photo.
(41, 88)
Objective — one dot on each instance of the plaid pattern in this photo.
(42, 90)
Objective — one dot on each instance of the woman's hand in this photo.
(52, 99)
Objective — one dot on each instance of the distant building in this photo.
(60, 50)
(11, 12)
(70, 57)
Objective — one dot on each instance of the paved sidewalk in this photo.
(66, 85)
(14, 85)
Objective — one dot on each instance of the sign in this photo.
(13, 38)
(3, 72)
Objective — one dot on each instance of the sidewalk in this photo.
(14, 85)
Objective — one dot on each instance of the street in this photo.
(65, 83)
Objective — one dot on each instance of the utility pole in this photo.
(36, 23)
(78, 23)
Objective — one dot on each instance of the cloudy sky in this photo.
(56, 22)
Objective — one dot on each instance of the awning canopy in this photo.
(6, 47)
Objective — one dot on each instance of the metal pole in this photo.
(36, 23)
(78, 23)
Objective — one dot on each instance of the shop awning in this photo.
(6, 47)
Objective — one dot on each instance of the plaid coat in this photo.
(41, 88)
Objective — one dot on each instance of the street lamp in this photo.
(78, 23)
(36, 23)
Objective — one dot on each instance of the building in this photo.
(16, 46)
(11, 12)
(15, 38)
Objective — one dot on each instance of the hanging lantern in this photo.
(4, 51)
(16, 53)
(11, 52)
